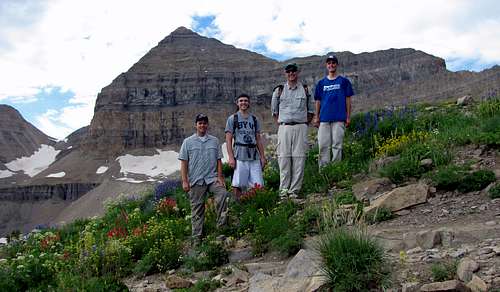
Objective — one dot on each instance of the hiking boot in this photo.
(220, 238)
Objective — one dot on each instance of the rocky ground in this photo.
(445, 228)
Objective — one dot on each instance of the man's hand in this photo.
(185, 186)
(347, 122)
(220, 181)
(232, 162)
(315, 121)
(263, 162)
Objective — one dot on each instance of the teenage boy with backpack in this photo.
(244, 147)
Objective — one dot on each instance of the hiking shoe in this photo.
(220, 238)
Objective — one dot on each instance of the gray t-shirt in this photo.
(202, 156)
(245, 134)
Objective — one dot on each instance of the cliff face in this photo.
(154, 103)
(66, 192)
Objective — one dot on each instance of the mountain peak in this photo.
(182, 30)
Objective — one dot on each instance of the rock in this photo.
(261, 282)
(466, 268)
(367, 189)
(427, 163)
(381, 162)
(411, 287)
(447, 237)
(270, 268)
(485, 250)
(464, 100)
(240, 254)
(410, 239)
(451, 285)
(176, 282)
(486, 256)
(497, 173)
(415, 250)
(403, 212)
(477, 284)
(428, 239)
(302, 274)
(236, 277)
(458, 253)
(400, 198)
(490, 223)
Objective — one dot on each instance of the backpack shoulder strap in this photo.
(235, 123)
(306, 88)
(280, 89)
(255, 125)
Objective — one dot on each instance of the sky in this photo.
(56, 55)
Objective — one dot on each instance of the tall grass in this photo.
(352, 260)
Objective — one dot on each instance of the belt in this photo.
(292, 124)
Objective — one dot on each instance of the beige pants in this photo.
(292, 148)
(330, 139)
(197, 198)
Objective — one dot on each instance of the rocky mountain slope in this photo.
(153, 104)
(149, 110)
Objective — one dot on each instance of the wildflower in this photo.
(167, 206)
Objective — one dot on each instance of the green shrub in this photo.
(289, 243)
(307, 221)
(345, 198)
(145, 265)
(352, 261)
(209, 255)
(488, 108)
(204, 285)
(313, 181)
(476, 181)
(495, 191)
(448, 177)
(335, 172)
(444, 271)
(379, 215)
(409, 163)
(334, 215)
(272, 227)
(271, 175)
(489, 132)
(227, 170)
(70, 282)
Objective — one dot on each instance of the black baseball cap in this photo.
(292, 67)
(201, 117)
(332, 58)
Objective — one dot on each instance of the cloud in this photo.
(81, 46)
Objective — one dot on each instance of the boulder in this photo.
(428, 238)
(477, 284)
(176, 282)
(302, 274)
(401, 198)
(451, 285)
(464, 100)
(466, 269)
(367, 189)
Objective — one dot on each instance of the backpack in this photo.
(235, 127)
(280, 91)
